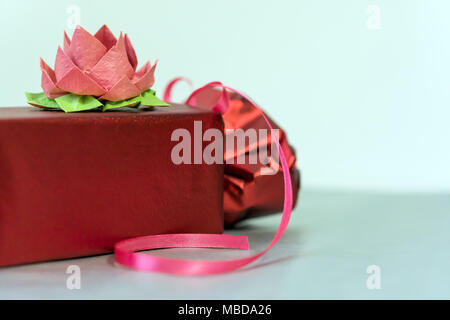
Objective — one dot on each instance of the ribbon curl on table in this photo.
(126, 250)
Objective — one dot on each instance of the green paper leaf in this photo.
(41, 101)
(148, 98)
(74, 103)
(133, 102)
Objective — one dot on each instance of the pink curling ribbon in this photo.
(126, 250)
(169, 87)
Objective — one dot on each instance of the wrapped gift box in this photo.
(74, 184)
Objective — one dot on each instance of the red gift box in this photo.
(75, 184)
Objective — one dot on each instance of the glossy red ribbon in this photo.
(126, 250)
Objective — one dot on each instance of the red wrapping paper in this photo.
(75, 184)
(248, 193)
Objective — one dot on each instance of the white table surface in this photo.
(332, 239)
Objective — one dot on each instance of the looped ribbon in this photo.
(126, 250)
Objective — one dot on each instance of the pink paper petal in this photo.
(75, 81)
(113, 66)
(145, 77)
(63, 64)
(66, 42)
(105, 36)
(45, 67)
(85, 50)
(50, 89)
(131, 53)
(142, 71)
(124, 89)
(48, 82)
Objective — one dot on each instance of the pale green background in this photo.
(366, 109)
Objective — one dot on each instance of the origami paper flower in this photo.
(97, 66)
